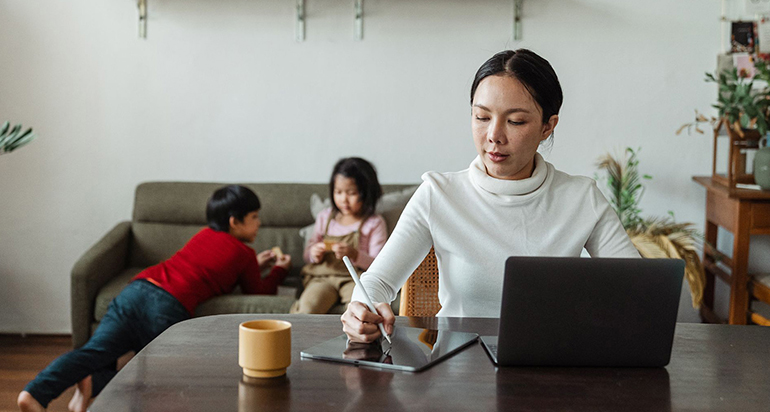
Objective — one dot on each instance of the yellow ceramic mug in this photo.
(264, 348)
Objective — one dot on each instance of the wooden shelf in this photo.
(743, 212)
(358, 19)
(760, 290)
(709, 316)
(717, 271)
(709, 183)
(760, 320)
(716, 256)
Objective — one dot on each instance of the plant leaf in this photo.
(13, 142)
(14, 138)
(20, 142)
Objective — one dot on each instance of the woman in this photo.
(509, 202)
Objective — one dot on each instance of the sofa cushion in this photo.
(111, 289)
(283, 204)
(168, 214)
(237, 303)
(392, 204)
(153, 243)
(230, 303)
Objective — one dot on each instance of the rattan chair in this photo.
(419, 295)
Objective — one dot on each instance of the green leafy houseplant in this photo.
(12, 138)
(740, 102)
(657, 237)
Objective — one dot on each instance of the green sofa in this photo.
(166, 215)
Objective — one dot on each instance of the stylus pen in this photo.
(368, 302)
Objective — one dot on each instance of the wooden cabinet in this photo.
(744, 213)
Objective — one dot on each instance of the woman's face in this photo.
(507, 127)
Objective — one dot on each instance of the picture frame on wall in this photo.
(743, 37)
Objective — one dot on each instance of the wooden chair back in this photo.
(419, 295)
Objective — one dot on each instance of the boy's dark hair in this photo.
(234, 200)
(365, 176)
(533, 71)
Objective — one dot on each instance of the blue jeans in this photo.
(134, 318)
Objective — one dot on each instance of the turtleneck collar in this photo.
(505, 188)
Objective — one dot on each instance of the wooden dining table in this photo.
(193, 366)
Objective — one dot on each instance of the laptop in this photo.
(604, 312)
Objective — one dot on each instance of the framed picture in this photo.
(743, 37)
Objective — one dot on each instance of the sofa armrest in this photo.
(102, 262)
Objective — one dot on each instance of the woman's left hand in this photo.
(265, 258)
(342, 249)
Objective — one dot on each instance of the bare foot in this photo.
(82, 397)
(77, 398)
(28, 404)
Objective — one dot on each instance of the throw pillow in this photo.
(392, 204)
(317, 205)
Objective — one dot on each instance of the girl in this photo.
(508, 202)
(349, 228)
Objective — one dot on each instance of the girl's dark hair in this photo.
(533, 71)
(365, 176)
(234, 200)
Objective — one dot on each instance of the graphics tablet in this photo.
(413, 349)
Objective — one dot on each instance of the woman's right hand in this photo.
(360, 324)
(317, 251)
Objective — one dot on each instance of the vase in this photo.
(762, 165)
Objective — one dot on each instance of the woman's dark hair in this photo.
(365, 176)
(234, 200)
(533, 71)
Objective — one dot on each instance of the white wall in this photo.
(220, 91)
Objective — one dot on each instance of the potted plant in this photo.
(12, 138)
(656, 237)
(743, 102)
(743, 105)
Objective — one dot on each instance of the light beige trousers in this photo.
(322, 292)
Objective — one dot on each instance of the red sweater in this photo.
(209, 265)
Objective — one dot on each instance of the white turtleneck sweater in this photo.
(475, 222)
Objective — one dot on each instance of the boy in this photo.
(210, 264)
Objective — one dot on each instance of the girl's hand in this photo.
(342, 249)
(317, 251)
(361, 325)
(265, 258)
(284, 261)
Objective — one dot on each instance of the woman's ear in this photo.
(549, 126)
